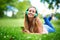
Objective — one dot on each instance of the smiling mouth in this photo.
(30, 15)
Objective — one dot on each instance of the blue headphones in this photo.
(36, 14)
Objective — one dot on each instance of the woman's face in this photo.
(31, 12)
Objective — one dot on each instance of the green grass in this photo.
(11, 22)
(10, 29)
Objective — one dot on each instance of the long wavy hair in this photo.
(36, 24)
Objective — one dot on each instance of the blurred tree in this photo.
(57, 15)
(56, 3)
(22, 6)
(3, 5)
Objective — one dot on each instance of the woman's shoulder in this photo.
(38, 19)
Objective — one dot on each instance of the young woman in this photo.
(32, 23)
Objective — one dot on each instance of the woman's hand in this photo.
(26, 31)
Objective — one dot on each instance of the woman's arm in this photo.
(26, 27)
(39, 25)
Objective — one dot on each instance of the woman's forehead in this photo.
(32, 8)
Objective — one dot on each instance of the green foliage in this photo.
(3, 5)
(57, 15)
(22, 6)
(51, 2)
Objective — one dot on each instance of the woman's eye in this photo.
(29, 10)
(33, 11)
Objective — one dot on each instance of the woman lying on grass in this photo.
(32, 23)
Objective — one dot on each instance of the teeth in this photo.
(29, 14)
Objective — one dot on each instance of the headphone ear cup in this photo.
(26, 12)
(35, 15)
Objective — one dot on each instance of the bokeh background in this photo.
(12, 18)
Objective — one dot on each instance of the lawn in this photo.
(10, 29)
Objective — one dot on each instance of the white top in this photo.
(45, 31)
